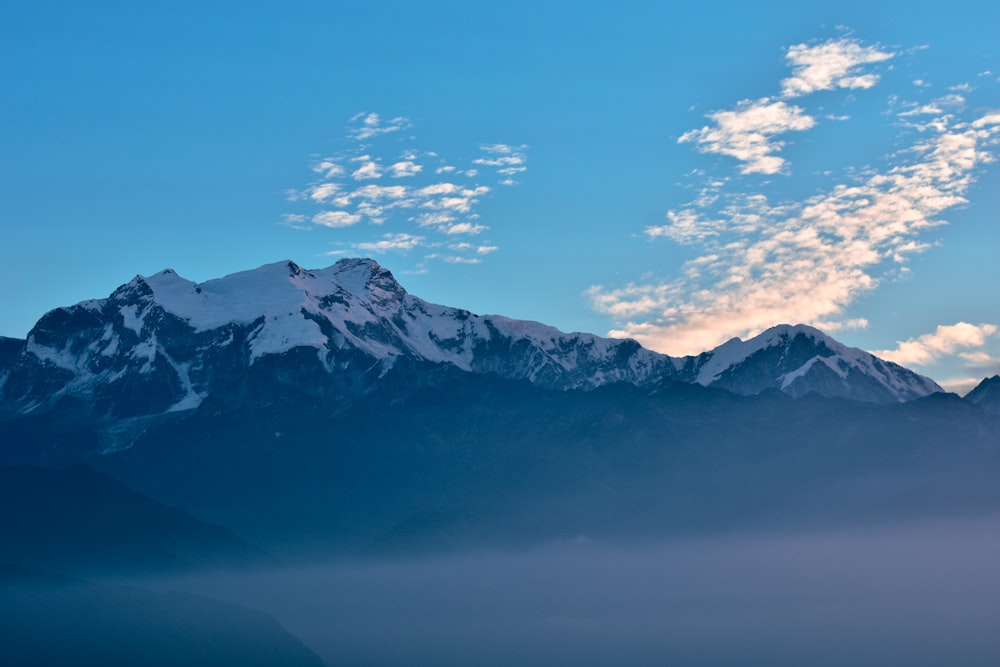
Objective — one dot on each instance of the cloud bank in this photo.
(758, 262)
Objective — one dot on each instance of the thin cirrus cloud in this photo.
(759, 262)
(381, 179)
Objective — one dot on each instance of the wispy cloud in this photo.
(759, 262)
(506, 159)
(747, 133)
(380, 178)
(369, 125)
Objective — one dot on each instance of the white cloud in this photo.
(438, 189)
(746, 133)
(375, 192)
(465, 228)
(323, 191)
(435, 219)
(757, 263)
(336, 219)
(936, 107)
(486, 249)
(837, 63)
(329, 169)
(760, 264)
(506, 160)
(369, 169)
(944, 341)
(392, 242)
(404, 168)
(371, 125)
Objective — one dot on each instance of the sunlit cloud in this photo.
(837, 63)
(944, 341)
(747, 133)
(758, 262)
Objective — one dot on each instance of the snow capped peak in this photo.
(360, 275)
(798, 359)
(737, 350)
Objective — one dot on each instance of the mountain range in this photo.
(331, 408)
(163, 344)
(283, 417)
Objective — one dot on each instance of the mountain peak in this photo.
(358, 275)
(798, 359)
(986, 394)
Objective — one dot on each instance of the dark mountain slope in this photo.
(47, 621)
(987, 395)
(486, 460)
(79, 521)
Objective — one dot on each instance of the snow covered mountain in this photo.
(800, 359)
(163, 344)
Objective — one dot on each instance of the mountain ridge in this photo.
(162, 344)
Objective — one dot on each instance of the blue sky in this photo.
(682, 174)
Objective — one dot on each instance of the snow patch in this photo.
(132, 319)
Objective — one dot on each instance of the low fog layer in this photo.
(925, 594)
